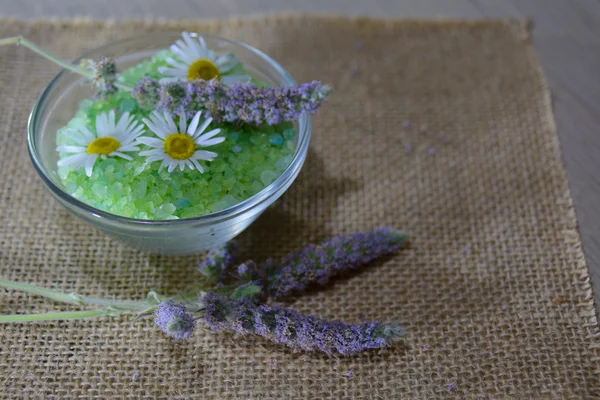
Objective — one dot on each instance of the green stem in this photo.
(71, 67)
(53, 316)
(75, 298)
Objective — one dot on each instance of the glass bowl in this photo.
(59, 102)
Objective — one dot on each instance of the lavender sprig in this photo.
(317, 264)
(174, 320)
(147, 93)
(105, 75)
(300, 332)
(239, 102)
(217, 261)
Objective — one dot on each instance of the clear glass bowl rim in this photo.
(240, 208)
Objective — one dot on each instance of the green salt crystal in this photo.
(229, 183)
(236, 149)
(257, 158)
(256, 187)
(225, 202)
(155, 198)
(139, 189)
(121, 203)
(283, 163)
(289, 134)
(181, 203)
(78, 194)
(127, 211)
(268, 176)
(164, 210)
(99, 190)
(128, 105)
(276, 139)
(257, 138)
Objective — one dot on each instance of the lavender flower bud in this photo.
(172, 98)
(300, 332)
(146, 92)
(317, 264)
(174, 320)
(217, 261)
(105, 76)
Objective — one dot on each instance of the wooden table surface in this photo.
(566, 36)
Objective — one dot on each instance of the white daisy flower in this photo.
(196, 61)
(111, 139)
(179, 147)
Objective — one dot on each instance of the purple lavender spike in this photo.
(317, 264)
(300, 332)
(217, 261)
(239, 102)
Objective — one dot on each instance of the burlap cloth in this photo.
(494, 288)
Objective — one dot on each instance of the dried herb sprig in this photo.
(295, 330)
(312, 265)
(241, 102)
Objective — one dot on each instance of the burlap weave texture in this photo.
(494, 288)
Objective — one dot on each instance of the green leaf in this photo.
(247, 290)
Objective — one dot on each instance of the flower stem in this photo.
(19, 40)
(74, 298)
(63, 315)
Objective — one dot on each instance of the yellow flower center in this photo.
(179, 146)
(203, 69)
(103, 145)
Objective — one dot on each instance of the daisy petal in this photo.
(182, 121)
(204, 155)
(101, 124)
(194, 124)
(208, 135)
(129, 147)
(123, 123)
(175, 64)
(178, 50)
(71, 149)
(152, 142)
(193, 46)
(202, 43)
(197, 165)
(202, 127)
(71, 160)
(163, 164)
(76, 137)
(88, 169)
(169, 122)
(212, 142)
(119, 154)
(177, 73)
(158, 157)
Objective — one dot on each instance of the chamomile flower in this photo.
(112, 139)
(179, 146)
(196, 61)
